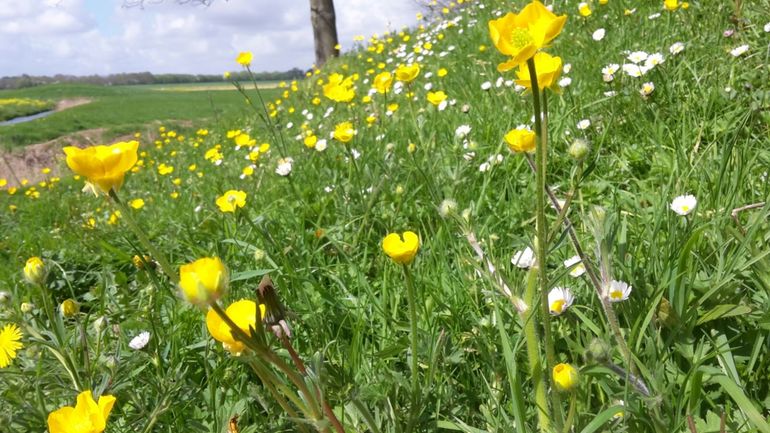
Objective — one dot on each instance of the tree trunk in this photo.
(324, 30)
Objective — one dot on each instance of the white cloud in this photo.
(84, 37)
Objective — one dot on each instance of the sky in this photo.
(84, 37)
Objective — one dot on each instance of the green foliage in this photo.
(696, 320)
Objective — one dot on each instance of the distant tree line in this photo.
(134, 78)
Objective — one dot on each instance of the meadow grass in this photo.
(120, 109)
(696, 321)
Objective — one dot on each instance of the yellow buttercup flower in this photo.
(310, 141)
(383, 81)
(88, 416)
(436, 98)
(231, 200)
(565, 377)
(243, 313)
(244, 58)
(136, 203)
(584, 9)
(548, 71)
(344, 132)
(671, 5)
(34, 270)
(339, 88)
(519, 36)
(104, 166)
(9, 344)
(204, 280)
(407, 73)
(401, 248)
(520, 140)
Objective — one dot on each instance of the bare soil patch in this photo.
(65, 104)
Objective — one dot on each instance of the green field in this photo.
(659, 185)
(123, 109)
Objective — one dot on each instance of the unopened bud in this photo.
(259, 255)
(565, 377)
(579, 149)
(69, 308)
(598, 351)
(34, 270)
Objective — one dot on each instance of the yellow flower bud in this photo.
(69, 308)
(565, 377)
(204, 280)
(34, 270)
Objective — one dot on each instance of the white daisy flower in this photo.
(575, 265)
(583, 124)
(740, 50)
(320, 145)
(610, 69)
(559, 299)
(647, 89)
(617, 291)
(462, 131)
(637, 56)
(767, 28)
(598, 35)
(654, 60)
(284, 166)
(676, 48)
(524, 259)
(567, 68)
(632, 70)
(486, 85)
(140, 341)
(564, 82)
(684, 204)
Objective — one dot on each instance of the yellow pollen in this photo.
(520, 38)
(557, 305)
(616, 294)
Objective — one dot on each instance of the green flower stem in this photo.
(143, 239)
(412, 332)
(609, 312)
(533, 352)
(541, 158)
(571, 414)
(263, 352)
(301, 367)
(270, 382)
(279, 363)
(277, 136)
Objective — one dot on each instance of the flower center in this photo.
(520, 38)
(616, 294)
(685, 208)
(556, 306)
